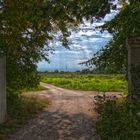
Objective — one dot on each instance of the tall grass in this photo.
(19, 110)
(87, 81)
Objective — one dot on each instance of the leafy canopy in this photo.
(126, 24)
(26, 26)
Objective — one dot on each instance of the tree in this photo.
(26, 26)
(113, 58)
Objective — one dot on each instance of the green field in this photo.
(32, 89)
(93, 82)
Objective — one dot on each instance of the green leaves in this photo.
(26, 26)
(113, 58)
(93, 82)
(116, 122)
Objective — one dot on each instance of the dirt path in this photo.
(71, 116)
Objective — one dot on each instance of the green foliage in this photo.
(21, 76)
(116, 123)
(126, 24)
(111, 59)
(31, 89)
(27, 26)
(134, 94)
(87, 81)
(19, 109)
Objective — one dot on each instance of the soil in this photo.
(70, 116)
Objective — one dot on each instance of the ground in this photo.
(70, 116)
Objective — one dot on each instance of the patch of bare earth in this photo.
(71, 116)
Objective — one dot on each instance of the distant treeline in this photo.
(83, 71)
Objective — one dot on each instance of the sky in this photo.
(84, 43)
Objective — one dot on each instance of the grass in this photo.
(32, 89)
(95, 82)
(20, 109)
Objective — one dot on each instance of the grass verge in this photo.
(30, 89)
(19, 109)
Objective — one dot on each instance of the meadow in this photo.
(90, 82)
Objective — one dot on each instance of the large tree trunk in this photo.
(2, 89)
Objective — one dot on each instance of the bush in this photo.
(116, 123)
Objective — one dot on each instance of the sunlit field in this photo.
(95, 82)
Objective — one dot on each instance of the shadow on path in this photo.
(58, 126)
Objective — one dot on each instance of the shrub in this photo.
(116, 123)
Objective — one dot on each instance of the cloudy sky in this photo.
(84, 42)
